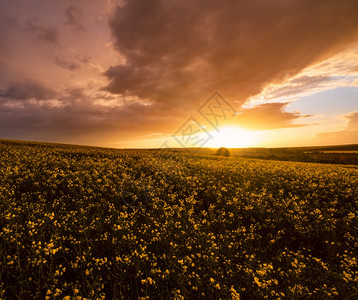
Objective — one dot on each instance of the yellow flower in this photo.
(234, 294)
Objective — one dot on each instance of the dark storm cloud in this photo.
(41, 31)
(268, 116)
(29, 89)
(177, 51)
(64, 63)
(74, 17)
(73, 116)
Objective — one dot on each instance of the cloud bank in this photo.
(346, 136)
(96, 72)
(177, 50)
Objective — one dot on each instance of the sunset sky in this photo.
(134, 73)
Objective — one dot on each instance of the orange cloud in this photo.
(268, 116)
(347, 136)
(180, 49)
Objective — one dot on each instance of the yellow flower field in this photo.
(93, 223)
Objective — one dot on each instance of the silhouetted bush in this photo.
(223, 152)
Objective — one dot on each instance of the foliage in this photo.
(223, 152)
(81, 222)
(300, 154)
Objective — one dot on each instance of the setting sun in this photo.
(233, 137)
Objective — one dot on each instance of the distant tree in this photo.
(223, 152)
(342, 159)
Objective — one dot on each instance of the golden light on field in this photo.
(233, 137)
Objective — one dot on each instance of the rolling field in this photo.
(81, 222)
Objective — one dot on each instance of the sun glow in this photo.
(233, 137)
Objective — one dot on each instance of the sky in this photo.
(179, 73)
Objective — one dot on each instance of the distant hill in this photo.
(334, 154)
(350, 147)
